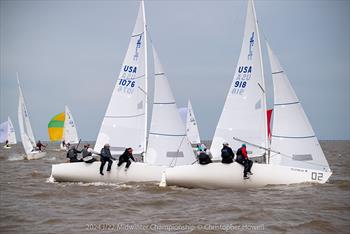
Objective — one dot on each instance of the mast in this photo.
(146, 74)
(267, 145)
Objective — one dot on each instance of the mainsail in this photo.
(25, 128)
(168, 144)
(292, 133)
(244, 112)
(70, 134)
(7, 132)
(125, 122)
(191, 126)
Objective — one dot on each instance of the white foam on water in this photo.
(15, 158)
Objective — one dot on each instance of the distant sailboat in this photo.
(7, 133)
(62, 128)
(189, 119)
(27, 136)
(295, 155)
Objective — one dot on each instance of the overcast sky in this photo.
(70, 53)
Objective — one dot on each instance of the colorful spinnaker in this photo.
(56, 126)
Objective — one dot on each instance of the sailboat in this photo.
(294, 156)
(191, 126)
(189, 119)
(7, 133)
(62, 128)
(125, 123)
(26, 132)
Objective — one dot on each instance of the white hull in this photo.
(90, 172)
(35, 155)
(7, 147)
(218, 175)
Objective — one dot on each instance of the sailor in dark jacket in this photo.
(106, 156)
(72, 154)
(227, 154)
(87, 154)
(125, 157)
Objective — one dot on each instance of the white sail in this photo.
(183, 114)
(70, 134)
(191, 126)
(292, 134)
(244, 112)
(3, 131)
(125, 122)
(25, 128)
(11, 135)
(168, 144)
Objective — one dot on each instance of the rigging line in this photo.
(143, 91)
(276, 152)
(261, 88)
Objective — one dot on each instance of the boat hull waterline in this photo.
(90, 172)
(219, 175)
(35, 155)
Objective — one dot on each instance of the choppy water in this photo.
(29, 204)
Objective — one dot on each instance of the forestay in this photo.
(125, 121)
(244, 112)
(70, 134)
(191, 126)
(168, 144)
(292, 133)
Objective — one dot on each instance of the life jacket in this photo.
(225, 153)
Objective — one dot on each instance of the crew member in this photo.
(242, 158)
(125, 157)
(87, 154)
(106, 156)
(72, 154)
(227, 154)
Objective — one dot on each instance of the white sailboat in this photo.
(295, 155)
(125, 123)
(191, 126)
(70, 133)
(189, 120)
(26, 131)
(7, 133)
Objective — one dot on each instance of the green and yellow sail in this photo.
(56, 126)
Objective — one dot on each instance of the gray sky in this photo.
(70, 52)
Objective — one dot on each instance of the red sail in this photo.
(269, 114)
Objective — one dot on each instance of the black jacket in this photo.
(73, 153)
(126, 156)
(106, 153)
(227, 154)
